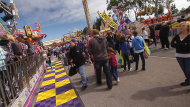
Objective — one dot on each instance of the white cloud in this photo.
(181, 4)
(48, 12)
(57, 11)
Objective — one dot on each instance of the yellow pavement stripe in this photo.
(60, 75)
(48, 70)
(59, 66)
(50, 67)
(62, 83)
(59, 70)
(46, 95)
(49, 75)
(52, 81)
(65, 97)
(58, 62)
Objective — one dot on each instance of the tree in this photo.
(97, 24)
(85, 30)
(185, 10)
(174, 10)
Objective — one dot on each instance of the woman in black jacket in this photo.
(182, 44)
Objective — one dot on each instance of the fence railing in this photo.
(14, 77)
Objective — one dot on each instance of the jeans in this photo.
(126, 58)
(113, 71)
(185, 66)
(83, 75)
(98, 66)
(137, 60)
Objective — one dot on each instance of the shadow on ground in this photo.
(152, 94)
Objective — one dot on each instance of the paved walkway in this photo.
(158, 86)
(56, 89)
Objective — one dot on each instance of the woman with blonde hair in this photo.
(182, 44)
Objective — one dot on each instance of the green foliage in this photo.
(97, 24)
(161, 10)
(185, 10)
(85, 30)
(174, 10)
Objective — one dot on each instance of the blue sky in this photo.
(58, 17)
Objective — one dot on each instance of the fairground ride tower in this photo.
(86, 10)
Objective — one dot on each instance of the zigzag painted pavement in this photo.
(56, 89)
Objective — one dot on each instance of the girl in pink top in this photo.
(113, 64)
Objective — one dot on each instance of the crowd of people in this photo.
(13, 50)
(101, 50)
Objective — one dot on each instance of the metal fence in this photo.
(14, 77)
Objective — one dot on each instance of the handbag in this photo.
(120, 60)
(73, 70)
(147, 51)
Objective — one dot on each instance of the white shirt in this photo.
(145, 34)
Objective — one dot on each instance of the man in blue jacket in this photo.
(138, 45)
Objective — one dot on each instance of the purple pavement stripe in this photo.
(59, 64)
(50, 102)
(49, 78)
(48, 87)
(73, 103)
(61, 78)
(57, 73)
(50, 72)
(63, 89)
(59, 68)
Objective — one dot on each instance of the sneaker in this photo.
(109, 88)
(84, 87)
(166, 48)
(124, 70)
(136, 69)
(185, 84)
(117, 82)
(130, 69)
(98, 84)
(118, 79)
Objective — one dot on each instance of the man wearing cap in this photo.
(76, 57)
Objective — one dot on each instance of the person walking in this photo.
(145, 36)
(113, 64)
(138, 45)
(164, 34)
(125, 49)
(182, 44)
(152, 35)
(76, 57)
(48, 60)
(98, 52)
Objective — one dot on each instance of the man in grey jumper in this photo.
(98, 53)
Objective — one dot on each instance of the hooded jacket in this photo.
(125, 47)
(164, 31)
(98, 48)
(138, 43)
(182, 47)
(77, 56)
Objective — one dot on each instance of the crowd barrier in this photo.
(14, 77)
